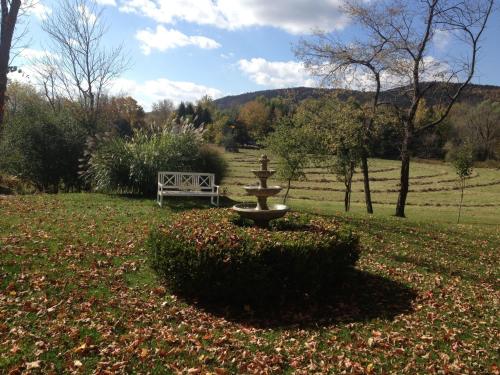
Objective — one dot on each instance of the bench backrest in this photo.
(186, 180)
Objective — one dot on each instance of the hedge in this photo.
(212, 255)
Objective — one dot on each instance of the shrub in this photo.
(43, 150)
(213, 256)
(131, 165)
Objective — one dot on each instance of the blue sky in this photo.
(183, 49)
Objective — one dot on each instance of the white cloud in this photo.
(163, 39)
(276, 74)
(31, 53)
(40, 11)
(106, 2)
(441, 39)
(293, 16)
(227, 55)
(152, 91)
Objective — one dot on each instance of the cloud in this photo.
(40, 11)
(226, 56)
(293, 16)
(106, 2)
(31, 53)
(163, 39)
(152, 91)
(276, 74)
(441, 39)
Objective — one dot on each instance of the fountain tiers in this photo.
(261, 213)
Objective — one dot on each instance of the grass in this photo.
(77, 294)
(433, 196)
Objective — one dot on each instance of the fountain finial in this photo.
(264, 160)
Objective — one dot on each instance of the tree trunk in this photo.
(287, 191)
(462, 187)
(8, 24)
(346, 199)
(405, 175)
(366, 182)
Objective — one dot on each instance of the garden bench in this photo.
(184, 184)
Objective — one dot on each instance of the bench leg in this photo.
(214, 200)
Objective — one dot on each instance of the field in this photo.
(434, 194)
(77, 294)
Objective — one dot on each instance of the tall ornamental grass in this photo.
(131, 165)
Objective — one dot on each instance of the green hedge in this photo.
(212, 256)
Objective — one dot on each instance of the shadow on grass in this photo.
(179, 204)
(361, 297)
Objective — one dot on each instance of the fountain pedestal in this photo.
(261, 213)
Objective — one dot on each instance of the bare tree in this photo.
(355, 64)
(405, 30)
(78, 66)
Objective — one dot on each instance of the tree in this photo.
(10, 13)
(479, 125)
(256, 117)
(407, 30)
(122, 113)
(290, 142)
(181, 110)
(463, 162)
(345, 144)
(161, 112)
(78, 65)
(350, 64)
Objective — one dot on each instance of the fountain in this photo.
(261, 213)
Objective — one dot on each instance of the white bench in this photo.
(184, 184)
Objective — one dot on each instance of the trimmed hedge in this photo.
(212, 255)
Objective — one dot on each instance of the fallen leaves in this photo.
(77, 295)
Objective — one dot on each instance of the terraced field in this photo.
(434, 193)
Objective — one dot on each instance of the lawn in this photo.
(434, 194)
(77, 293)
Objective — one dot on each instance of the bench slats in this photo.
(187, 184)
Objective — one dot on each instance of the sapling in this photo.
(463, 163)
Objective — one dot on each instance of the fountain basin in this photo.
(260, 217)
(258, 191)
(263, 174)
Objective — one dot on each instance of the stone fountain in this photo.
(261, 213)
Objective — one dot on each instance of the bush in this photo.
(43, 150)
(212, 256)
(132, 165)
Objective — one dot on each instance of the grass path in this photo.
(433, 196)
(77, 295)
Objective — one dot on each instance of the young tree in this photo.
(463, 162)
(78, 65)
(344, 165)
(355, 64)
(290, 142)
(346, 144)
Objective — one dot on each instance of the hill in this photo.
(472, 95)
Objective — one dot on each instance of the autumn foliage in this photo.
(211, 255)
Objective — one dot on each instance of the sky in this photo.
(184, 49)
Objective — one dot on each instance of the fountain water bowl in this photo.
(261, 213)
